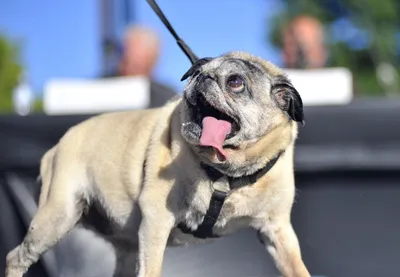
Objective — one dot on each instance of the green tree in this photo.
(371, 52)
(10, 70)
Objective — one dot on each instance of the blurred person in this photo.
(140, 53)
(303, 43)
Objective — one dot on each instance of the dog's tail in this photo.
(46, 174)
(185, 48)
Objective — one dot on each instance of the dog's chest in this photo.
(236, 212)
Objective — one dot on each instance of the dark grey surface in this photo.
(237, 256)
(348, 223)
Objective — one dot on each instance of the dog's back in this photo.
(113, 134)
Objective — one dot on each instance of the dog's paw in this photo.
(13, 267)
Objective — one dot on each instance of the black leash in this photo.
(186, 49)
(205, 229)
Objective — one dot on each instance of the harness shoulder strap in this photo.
(205, 229)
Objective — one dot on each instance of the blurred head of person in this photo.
(141, 47)
(303, 43)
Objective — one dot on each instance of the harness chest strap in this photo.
(205, 229)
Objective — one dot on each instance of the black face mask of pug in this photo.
(141, 171)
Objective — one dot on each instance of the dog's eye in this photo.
(235, 83)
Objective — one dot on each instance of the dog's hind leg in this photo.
(46, 174)
(57, 215)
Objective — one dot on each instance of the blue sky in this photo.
(62, 38)
(59, 39)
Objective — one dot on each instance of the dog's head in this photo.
(231, 103)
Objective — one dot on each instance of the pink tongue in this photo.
(214, 133)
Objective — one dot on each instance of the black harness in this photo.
(205, 229)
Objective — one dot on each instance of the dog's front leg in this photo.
(282, 243)
(154, 231)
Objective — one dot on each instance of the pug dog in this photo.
(137, 177)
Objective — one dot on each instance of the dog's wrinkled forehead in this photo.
(255, 61)
(234, 61)
(227, 65)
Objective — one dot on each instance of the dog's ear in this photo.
(195, 67)
(287, 98)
